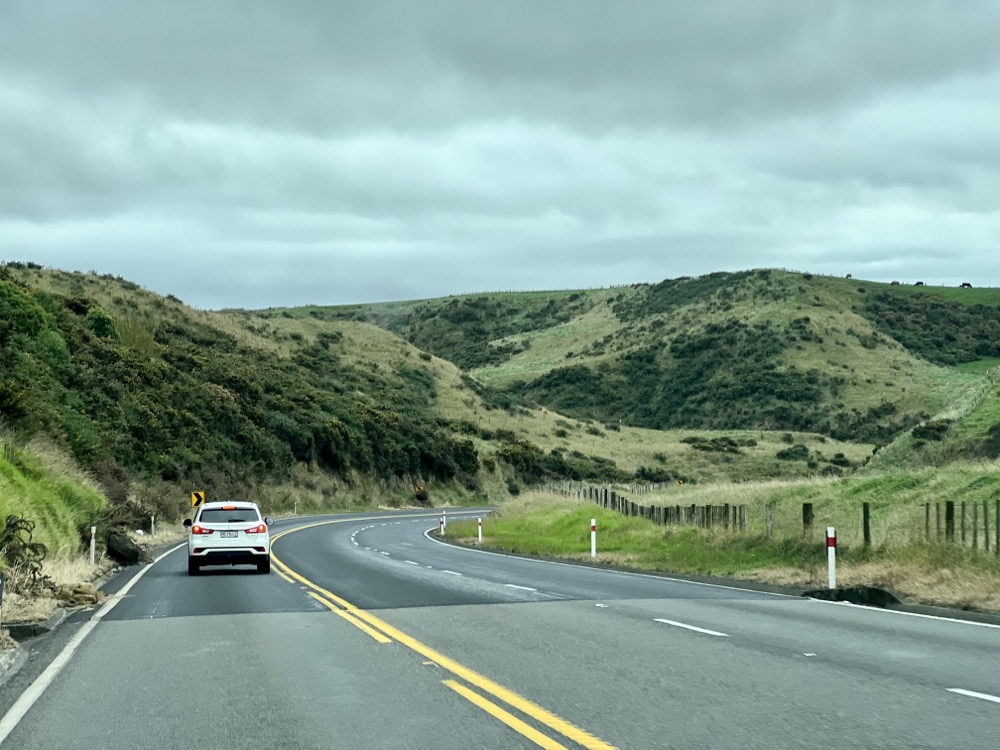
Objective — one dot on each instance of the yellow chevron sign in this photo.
(197, 498)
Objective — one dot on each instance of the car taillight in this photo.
(201, 530)
(262, 529)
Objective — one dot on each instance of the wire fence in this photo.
(971, 524)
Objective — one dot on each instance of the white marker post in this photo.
(152, 525)
(831, 555)
(93, 545)
(444, 519)
(593, 538)
(441, 526)
(479, 529)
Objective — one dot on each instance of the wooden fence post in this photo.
(963, 522)
(986, 526)
(975, 526)
(949, 520)
(937, 513)
(927, 522)
(743, 519)
(807, 517)
(725, 516)
(866, 523)
(769, 520)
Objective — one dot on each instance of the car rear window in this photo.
(220, 515)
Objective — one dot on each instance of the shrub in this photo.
(932, 430)
(797, 452)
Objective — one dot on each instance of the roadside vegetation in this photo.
(900, 559)
(772, 386)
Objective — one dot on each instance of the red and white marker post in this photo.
(441, 526)
(444, 519)
(93, 545)
(479, 529)
(831, 556)
(593, 538)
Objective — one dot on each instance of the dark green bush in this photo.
(797, 452)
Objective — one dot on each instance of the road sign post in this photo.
(593, 538)
(831, 556)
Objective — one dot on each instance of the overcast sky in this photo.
(253, 154)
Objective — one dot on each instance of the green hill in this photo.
(129, 381)
(756, 350)
(754, 375)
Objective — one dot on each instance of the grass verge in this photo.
(554, 526)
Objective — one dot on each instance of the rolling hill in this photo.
(727, 377)
(757, 350)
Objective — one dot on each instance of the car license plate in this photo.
(229, 534)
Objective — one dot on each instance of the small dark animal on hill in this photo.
(966, 285)
(894, 283)
(849, 276)
(919, 283)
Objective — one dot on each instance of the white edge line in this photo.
(941, 618)
(451, 572)
(519, 588)
(692, 627)
(410, 562)
(28, 698)
(972, 694)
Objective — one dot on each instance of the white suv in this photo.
(229, 534)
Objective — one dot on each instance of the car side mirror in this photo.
(187, 523)
(269, 521)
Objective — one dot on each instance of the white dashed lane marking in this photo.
(973, 694)
(692, 627)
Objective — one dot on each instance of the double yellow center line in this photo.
(383, 632)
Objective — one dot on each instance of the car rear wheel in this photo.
(193, 567)
(265, 566)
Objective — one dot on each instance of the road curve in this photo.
(371, 634)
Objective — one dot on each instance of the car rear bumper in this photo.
(229, 556)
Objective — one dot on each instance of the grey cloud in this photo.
(325, 65)
(253, 153)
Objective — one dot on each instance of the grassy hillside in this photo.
(40, 483)
(731, 377)
(129, 381)
(757, 350)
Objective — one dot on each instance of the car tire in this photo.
(194, 568)
(264, 567)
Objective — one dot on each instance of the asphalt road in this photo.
(370, 634)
